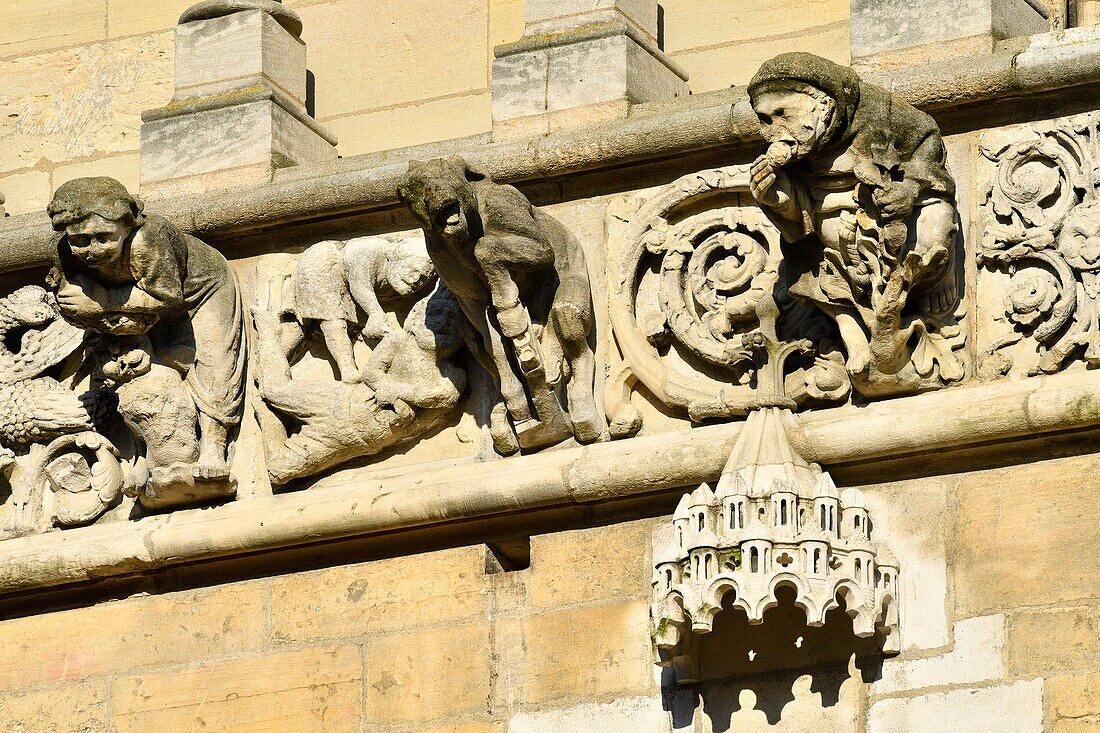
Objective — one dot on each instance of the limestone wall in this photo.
(77, 75)
(1001, 635)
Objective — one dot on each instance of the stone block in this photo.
(1009, 708)
(626, 715)
(258, 134)
(600, 650)
(79, 708)
(691, 24)
(728, 65)
(586, 565)
(134, 17)
(363, 64)
(580, 74)
(308, 691)
(426, 675)
(402, 593)
(81, 102)
(1024, 536)
(237, 51)
(975, 656)
(130, 634)
(31, 26)
(123, 168)
(413, 124)
(1042, 642)
(24, 192)
(1073, 702)
(555, 16)
(884, 26)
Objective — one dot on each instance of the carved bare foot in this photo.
(211, 464)
(504, 437)
(855, 343)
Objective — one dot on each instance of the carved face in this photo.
(798, 119)
(410, 273)
(440, 196)
(98, 242)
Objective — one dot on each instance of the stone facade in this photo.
(424, 437)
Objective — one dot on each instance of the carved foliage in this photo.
(1042, 205)
(699, 258)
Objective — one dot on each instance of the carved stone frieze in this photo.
(408, 386)
(699, 256)
(856, 181)
(1042, 231)
(522, 282)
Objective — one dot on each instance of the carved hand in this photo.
(762, 178)
(895, 200)
(73, 300)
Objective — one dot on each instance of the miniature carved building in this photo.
(773, 520)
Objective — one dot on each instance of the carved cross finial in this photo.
(770, 354)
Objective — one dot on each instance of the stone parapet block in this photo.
(559, 66)
(892, 32)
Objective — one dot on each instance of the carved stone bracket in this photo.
(699, 257)
(1042, 203)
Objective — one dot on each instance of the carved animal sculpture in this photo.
(35, 408)
(522, 281)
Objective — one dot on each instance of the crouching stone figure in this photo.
(523, 283)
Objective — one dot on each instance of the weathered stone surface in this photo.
(976, 656)
(118, 636)
(237, 51)
(413, 124)
(81, 102)
(134, 17)
(447, 58)
(309, 691)
(386, 595)
(580, 653)
(24, 33)
(80, 708)
(588, 565)
(626, 715)
(1042, 642)
(430, 674)
(24, 192)
(1007, 708)
(124, 168)
(1073, 702)
(879, 27)
(995, 521)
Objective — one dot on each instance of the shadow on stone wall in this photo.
(779, 675)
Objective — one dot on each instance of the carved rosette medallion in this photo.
(700, 255)
(1042, 205)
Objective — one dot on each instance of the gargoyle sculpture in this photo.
(856, 181)
(522, 281)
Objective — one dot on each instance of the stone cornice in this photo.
(714, 121)
(366, 506)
